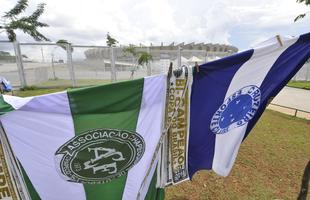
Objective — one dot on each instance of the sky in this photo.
(242, 23)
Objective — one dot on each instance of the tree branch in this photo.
(19, 8)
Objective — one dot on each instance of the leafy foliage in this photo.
(131, 49)
(18, 8)
(307, 3)
(63, 44)
(140, 58)
(300, 17)
(111, 42)
(144, 58)
(27, 24)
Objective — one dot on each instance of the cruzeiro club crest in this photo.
(236, 110)
(100, 155)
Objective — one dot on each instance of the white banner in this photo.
(175, 145)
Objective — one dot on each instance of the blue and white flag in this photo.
(229, 96)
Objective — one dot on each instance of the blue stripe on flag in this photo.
(283, 70)
(208, 92)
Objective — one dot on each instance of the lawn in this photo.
(67, 83)
(300, 84)
(36, 91)
(269, 165)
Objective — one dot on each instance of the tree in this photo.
(139, 58)
(11, 21)
(144, 58)
(111, 42)
(307, 2)
(131, 49)
(63, 44)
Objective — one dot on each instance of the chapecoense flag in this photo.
(90, 143)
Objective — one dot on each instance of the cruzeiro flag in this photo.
(91, 143)
(229, 95)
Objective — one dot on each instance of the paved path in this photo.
(293, 98)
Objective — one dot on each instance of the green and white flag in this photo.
(92, 143)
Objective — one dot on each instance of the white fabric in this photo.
(149, 126)
(146, 186)
(49, 103)
(36, 135)
(272, 40)
(16, 102)
(257, 67)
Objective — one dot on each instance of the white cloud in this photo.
(237, 22)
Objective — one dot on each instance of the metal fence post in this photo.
(112, 63)
(20, 65)
(179, 57)
(70, 64)
(148, 66)
(53, 67)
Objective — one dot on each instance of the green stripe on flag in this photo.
(32, 191)
(113, 106)
(4, 106)
(154, 193)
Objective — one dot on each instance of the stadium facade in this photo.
(202, 51)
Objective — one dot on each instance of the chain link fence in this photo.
(49, 65)
(8, 65)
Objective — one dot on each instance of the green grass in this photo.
(27, 93)
(269, 165)
(68, 83)
(57, 85)
(300, 84)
